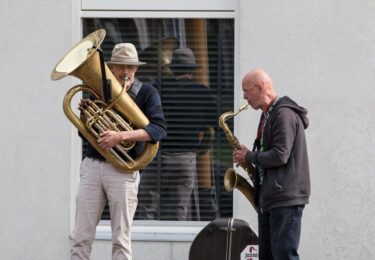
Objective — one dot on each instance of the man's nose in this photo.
(125, 69)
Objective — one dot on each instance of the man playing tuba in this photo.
(100, 181)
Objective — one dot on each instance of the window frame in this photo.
(145, 230)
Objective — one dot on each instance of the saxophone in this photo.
(233, 180)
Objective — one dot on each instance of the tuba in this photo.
(233, 180)
(122, 114)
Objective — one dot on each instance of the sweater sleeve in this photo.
(152, 108)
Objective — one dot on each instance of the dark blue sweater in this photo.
(148, 100)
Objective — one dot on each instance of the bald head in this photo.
(258, 89)
(257, 77)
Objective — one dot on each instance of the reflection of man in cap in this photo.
(187, 108)
(157, 55)
(100, 182)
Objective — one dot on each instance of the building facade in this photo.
(319, 53)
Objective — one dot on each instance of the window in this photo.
(212, 42)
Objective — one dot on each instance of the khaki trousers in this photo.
(99, 182)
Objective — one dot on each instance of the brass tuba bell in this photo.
(83, 62)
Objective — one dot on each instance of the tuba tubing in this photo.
(142, 160)
(83, 62)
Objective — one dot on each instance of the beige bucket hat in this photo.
(125, 53)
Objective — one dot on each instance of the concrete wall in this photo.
(35, 143)
(320, 53)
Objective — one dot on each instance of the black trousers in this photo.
(279, 233)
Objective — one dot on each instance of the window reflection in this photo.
(192, 108)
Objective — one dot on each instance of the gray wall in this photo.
(34, 133)
(320, 53)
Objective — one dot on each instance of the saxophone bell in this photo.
(233, 180)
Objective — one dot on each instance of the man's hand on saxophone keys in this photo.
(239, 156)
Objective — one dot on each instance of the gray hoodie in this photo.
(284, 158)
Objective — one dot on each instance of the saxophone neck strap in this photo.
(257, 146)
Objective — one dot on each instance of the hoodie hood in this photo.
(301, 111)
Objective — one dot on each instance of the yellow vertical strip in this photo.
(196, 37)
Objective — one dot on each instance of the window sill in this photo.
(145, 230)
